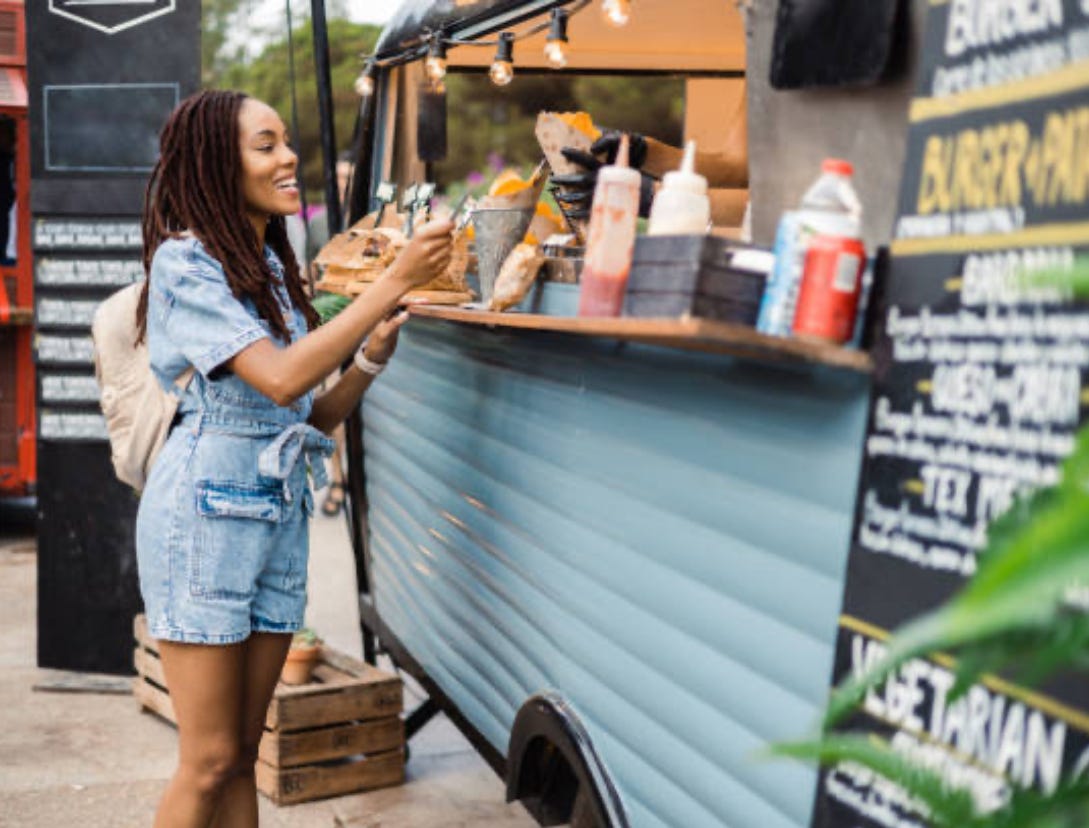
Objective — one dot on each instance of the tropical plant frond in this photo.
(945, 808)
(1068, 807)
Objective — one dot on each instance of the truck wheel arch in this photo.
(553, 768)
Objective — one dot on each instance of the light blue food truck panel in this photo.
(659, 536)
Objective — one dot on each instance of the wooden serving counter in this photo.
(688, 334)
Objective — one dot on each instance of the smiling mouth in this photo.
(287, 184)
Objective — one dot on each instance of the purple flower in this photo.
(495, 161)
(474, 179)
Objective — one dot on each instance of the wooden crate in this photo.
(342, 733)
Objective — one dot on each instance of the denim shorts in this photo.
(222, 551)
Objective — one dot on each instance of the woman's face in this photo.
(269, 186)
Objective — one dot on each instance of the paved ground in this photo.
(95, 761)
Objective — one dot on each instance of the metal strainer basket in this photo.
(498, 230)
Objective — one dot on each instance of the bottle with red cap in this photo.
(829, 209)
(832, 275)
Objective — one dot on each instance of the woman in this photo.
(223, 522)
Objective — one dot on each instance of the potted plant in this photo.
(301, 657)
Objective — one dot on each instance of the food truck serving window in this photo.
(490, 128)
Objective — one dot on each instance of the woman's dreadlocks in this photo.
(197, 186)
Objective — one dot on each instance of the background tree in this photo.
(266, 75)
(488, 126)
(218, 18)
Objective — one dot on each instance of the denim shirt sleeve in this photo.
(201, 317)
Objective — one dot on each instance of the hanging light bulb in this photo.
(557, 36)
(435, 65)
(502, 71)
(364, 84)
(617, 12)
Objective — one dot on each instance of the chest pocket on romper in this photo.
(237, 526)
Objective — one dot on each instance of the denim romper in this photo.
(222, 533)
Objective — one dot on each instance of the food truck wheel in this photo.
(553, 769)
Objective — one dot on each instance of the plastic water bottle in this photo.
(681, 207)
(830, 207)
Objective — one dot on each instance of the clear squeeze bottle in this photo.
(681, 207)
(611, 238)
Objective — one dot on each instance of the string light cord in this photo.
(528, 33)
(429, 37)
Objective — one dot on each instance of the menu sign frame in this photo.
(980, 386)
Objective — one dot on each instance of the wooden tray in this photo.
(432, 297)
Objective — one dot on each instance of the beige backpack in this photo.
(138, 411)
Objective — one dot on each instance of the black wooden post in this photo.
(325, 114)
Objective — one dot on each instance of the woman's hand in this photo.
(331, 408)
(427, 255)
(383, 339)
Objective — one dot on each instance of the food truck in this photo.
(17, 410)
(627, 554)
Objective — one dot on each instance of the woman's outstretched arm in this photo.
(285, 374)
(333, 407)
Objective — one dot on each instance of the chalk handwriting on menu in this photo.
(1007, 165)
(50, 234)
(55, 272)
(994, 42)
(994, 398)
(977, 24)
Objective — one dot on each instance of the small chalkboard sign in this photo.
(105, 127)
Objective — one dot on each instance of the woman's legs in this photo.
(220, 696)
(206, 688)
(264, 658)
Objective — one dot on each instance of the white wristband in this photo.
(367, 366)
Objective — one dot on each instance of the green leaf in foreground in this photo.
(1068, 807)
(947, 808)
(329, 305)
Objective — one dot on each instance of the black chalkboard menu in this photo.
(103, 77)
(979, 389)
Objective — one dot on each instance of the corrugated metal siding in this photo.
(660, 536)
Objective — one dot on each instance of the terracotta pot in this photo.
(299, 664)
